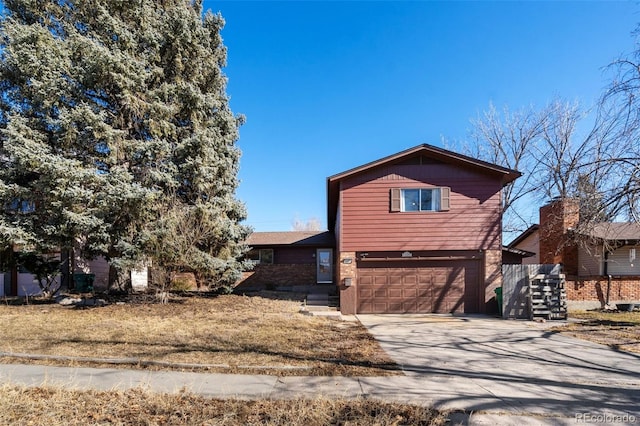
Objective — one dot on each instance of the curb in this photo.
(149, 363)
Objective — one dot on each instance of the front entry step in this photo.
(321, 301)
(317, 299)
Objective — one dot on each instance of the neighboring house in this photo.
(416, 232)
(20, 282)
(529, 242)
(17, 281)
(604, 268)
(99, 269)
(514, 256)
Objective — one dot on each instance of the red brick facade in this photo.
(493, 274)
(595, 289)
(271, 276)
(347, 271)
(556, 218)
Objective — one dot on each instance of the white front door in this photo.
(324, 258)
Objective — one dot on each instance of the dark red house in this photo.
(416, 232)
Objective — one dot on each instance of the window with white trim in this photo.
(420, 199)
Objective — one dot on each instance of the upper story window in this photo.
(420, 199)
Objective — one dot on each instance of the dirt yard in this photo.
(619, 330)
(43, 406)
(229, 333)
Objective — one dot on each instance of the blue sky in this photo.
(327, 86)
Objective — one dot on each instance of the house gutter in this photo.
(386, 259)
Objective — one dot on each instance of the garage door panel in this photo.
(424, 304)
(365, 293)
(409, 307)
(395, 279)
(410, 292)
(381, 293)
(381, 280)
(445, 302)
(380, 306)
(411, 279)
(366, 307)
(365, 280)
(396, 293)
(425, 287)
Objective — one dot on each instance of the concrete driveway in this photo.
(492, 365)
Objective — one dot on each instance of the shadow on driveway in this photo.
(481, 363)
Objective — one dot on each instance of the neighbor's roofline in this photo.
(524, 235)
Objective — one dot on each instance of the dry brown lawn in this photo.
(55, 407)
(619, 330)
(224, 334)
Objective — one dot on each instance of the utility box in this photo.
(83, 283)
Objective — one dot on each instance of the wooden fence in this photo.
(515, 288)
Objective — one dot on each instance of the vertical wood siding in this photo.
(619, 263)
(515, 287)
(473, 221)
(590, 261)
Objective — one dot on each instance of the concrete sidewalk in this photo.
(445, 392)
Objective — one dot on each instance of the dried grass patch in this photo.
(247, 334)
(136, 407)
(619, 330)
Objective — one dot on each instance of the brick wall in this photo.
(595, 289)
(347, 270)
(555, 219)
(272, 276)
(493, 278)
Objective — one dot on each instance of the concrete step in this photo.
(317, 296)
(322, 300)
(320, 308)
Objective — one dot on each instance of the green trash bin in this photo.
(498, 291)
(84, 282)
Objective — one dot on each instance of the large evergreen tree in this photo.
(116, 132)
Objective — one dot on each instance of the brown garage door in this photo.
(418, 286)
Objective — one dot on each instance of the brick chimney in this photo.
(557, 220)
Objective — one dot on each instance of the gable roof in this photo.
(608, 231)
(526, 234)
(296, 238)
(517, 251)
(333, 182)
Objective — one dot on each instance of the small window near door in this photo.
(261, 256)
